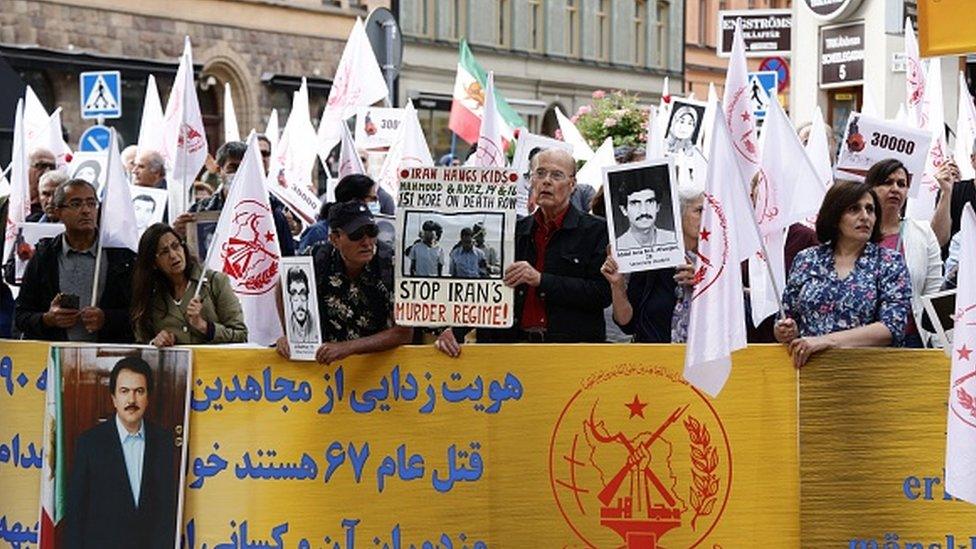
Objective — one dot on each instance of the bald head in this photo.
(129, 157)
(149, 168)
(553, 177)
(563, 158)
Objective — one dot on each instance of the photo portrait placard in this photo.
(643, 215)
(684, 132)
(301, 309)
(149, 203)
(455, 236)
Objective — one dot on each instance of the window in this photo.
(536, 20)
(663, 32)
(504, 23)
(603, 30)
(571, 34)
(459, 19)
(702, 22)
(423, 17)
(640, 32)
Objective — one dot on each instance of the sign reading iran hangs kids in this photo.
(455, 236)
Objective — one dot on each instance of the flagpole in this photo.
(101, 221)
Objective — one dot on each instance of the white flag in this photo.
(245, 247)
(914, 78)
(922, 193)
(290, 170)
(231, 133)
(117, 227)
(738, 110)
(358, 82)
(818, 149)
(184, 137)
(965, 131)
(709, 118)
(592, 172)
(960, 466)
(409, 149)
(271, 130)
(729, 234)
(44, 130)
(572, 135)
(349, 161)
(20, 201)
(151, 125)
(901, 116)
(491, 148)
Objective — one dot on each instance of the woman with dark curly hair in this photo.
(164, 309)
(849, 291)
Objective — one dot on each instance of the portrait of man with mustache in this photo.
(639, 197)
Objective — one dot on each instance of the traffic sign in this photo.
(95, 139)
(762, 89)
(101, 94)
(782, 69)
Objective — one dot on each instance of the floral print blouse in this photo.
(877, 289)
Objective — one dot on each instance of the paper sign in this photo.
(377, 127)
(300, 300)
(869, 140)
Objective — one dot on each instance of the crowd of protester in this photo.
(855, 278)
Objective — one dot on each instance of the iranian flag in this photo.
(54, 474)
(469, 101)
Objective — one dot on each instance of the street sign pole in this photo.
(389, 69)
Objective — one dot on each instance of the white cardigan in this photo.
(923, 256)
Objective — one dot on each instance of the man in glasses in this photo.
(55, 298)
(355, 288)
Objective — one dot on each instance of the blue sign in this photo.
(762, 89)
(101, 94)
(95, 139)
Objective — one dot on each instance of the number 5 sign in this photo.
(868, 140)
(842, 55)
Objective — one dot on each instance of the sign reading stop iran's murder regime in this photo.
(455, 236)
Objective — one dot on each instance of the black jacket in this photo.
(573, 289)
(100, 511)
(41, 284)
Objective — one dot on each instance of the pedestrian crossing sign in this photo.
(762, 89)
(101, 94)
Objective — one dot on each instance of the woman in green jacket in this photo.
(164, 309)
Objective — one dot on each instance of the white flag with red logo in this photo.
(44, 130)
(245, 247)
(922, 193)
(738, 110)
(960, 467)
(231, 133)
(20, 200)
(728, 235)
(184, 137)
(150, 134)
(290, 170)
(349, 161)
(572, 135)
(491, 148)
(358, 82)
(965, 131)
(914, 78)
(408, 150)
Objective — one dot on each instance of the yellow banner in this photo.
(944, 29)
(23, 379)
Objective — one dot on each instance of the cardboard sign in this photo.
(376, 127)
(455, 236)
(868, 140)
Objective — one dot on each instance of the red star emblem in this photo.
(636, 407)
(964, 352)
(269, 236)
(705, 233)
(745, 116)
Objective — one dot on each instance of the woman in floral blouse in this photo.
(848, 292)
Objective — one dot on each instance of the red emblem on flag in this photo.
(249, 260)
(711, 267)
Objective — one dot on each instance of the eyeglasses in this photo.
(366, 230)
(41, 165)
(173, 248)
(300, 293)
(77, 204)
(555, 176)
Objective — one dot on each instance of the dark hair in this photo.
(295, 275)
(841, 196)
(148, 284)
(641, 180)
(262, 137)
(878, 174)
(431, 225)
(231, 150)
(354, 186)
(133, 364)
(145, 198)
(62, 190)
(466, 232)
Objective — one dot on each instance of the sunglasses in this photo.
(366, 230)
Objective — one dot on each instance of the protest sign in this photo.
(149, 205)
(28, 235)
(684, 131)
(90, 166)
(301, 312)
(455, 236)
(643, 215)
(868, 140)
(376, 128)
(526, 147)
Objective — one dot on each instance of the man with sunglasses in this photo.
(55, 298)
(354, 282)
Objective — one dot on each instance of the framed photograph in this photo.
(301, 309)
(200, 232)
(643, 215)
(684, 133)
(149, 204)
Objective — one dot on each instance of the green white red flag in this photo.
(468, 107)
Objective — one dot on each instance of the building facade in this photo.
(544, 53)
(261, 47)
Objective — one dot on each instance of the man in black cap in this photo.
(354, 279)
